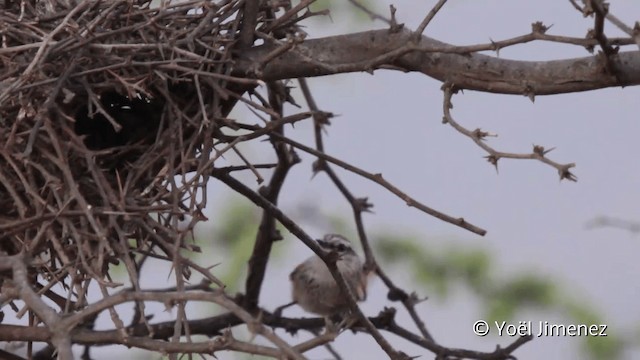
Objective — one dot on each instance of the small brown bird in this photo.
(315, 289)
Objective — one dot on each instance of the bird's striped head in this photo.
(337, 243)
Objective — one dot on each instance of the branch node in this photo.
(397, 294)
(564, 172)
(539, 28)
(387, 316)
(394, 26)
(541, 151)
(318, 166)
(363, 204)
(493, 160)
(481, 135)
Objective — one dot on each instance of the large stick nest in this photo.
(109, 111)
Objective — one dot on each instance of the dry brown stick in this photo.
(48, 104)
(359, 206)
(309, 242)
(423, 25)
(132, 270)
(43, 49)
(249, 23)
(478, 136)
(635, 35)
(267, 231)
(205, 74)
(17, 200)
(60, 332)
(277, 52)
(153, 231)
(71, 182)
(257, 132)
(378, 179)
(93, 98)
(259, 178)
(319, 340)
(601, 9)
(287, 15)
(387, 322)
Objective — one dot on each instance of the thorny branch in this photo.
(479, 137)
(78, 198)
(379, 179)
(380, 49)
(267, 232)
(588, 9)
(360, 205)
(423, 25)
(298, 232)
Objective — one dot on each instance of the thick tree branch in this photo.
(370, 50)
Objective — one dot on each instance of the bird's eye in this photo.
(341, 247)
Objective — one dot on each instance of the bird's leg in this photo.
(278, 311)
(345, 321)
(330, 326)
(349, 319)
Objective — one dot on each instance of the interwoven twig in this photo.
(100, 123)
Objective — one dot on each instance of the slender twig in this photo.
(373, 15)
(423, 25)
(60, 337)
(291, 13)
(358, 206)
(613, 19)
(601, 9)
(267, 232)
(330, 261)
(378, 179)
(249, 22)
(43, 49)
(612, 222)
(478, 136)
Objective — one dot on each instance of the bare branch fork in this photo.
(479, 137)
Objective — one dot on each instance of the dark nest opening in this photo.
(109, 113)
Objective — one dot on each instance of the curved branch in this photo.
(370, 50)
(379, 179)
